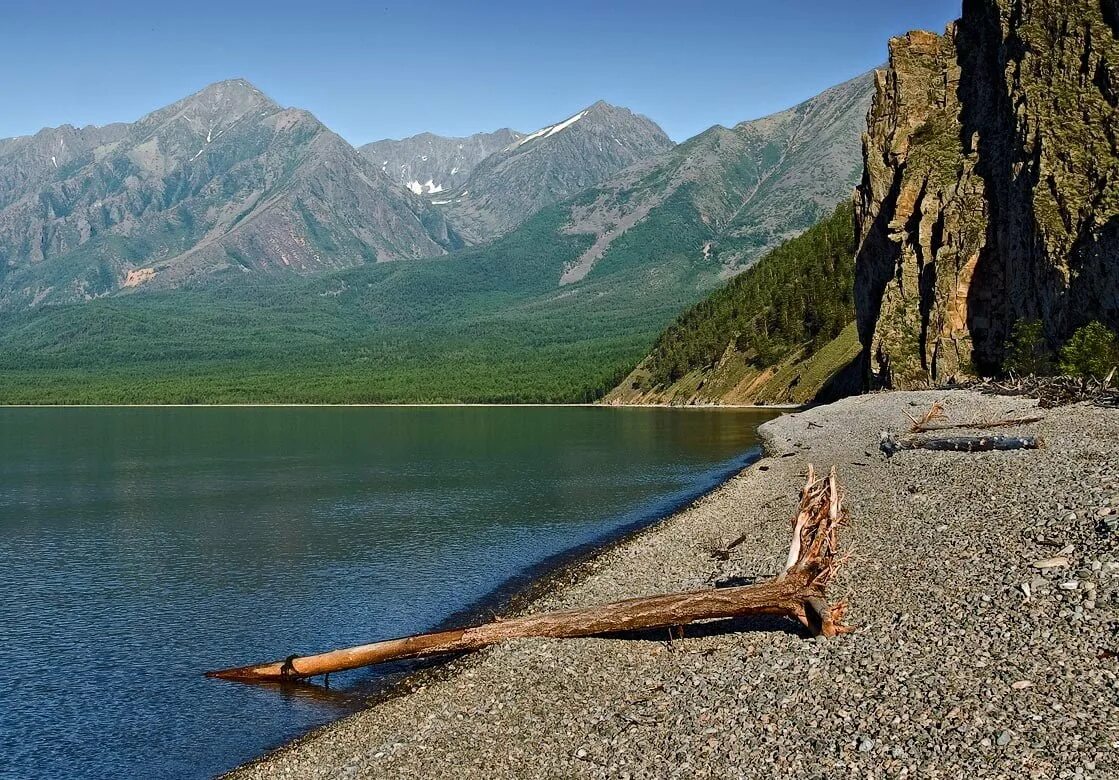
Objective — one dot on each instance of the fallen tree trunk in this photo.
(891, 445)
(798, 593)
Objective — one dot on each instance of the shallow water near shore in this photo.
(140, 547)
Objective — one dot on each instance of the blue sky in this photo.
(389, 68)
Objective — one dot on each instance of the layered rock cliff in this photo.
(991, 188)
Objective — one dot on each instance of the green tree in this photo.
(1027, 352)
(1091, 352)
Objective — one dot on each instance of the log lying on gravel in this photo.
(798, 593)
(892, 445)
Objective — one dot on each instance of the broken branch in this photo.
(798, 593)
(935, 412)
(976, 426)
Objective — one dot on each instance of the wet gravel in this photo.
(984, 589)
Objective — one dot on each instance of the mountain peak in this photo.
(229, 87)
(232, 97)
(212, 109)
(602, 105)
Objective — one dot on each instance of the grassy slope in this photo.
(797, 379)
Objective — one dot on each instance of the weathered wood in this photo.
(935, 420)
(892, 445)
(798, 593)
(982, 425)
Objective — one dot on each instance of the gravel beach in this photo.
(984, 590)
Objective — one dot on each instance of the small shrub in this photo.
(1027, 352)
(1091, 352)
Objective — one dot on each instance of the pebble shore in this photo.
(984, 590)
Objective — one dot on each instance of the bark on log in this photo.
(798, 593)
(891, 445)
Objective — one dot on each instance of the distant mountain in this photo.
(558, 308)
(428, 164)
(548, 166)
(222, 181)
(727, 196)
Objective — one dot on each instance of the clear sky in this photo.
(391, 68)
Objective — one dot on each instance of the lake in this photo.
(141, 547)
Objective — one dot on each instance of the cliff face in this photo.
(991, 187)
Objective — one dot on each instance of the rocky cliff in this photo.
(991, 188)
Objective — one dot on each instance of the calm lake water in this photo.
(141, 547)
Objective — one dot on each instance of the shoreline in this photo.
(942, 547)
(514, 596)
(763, 407)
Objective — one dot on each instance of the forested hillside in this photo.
(780, 332)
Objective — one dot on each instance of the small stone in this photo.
(866, 744)
(1003, 739)
(1022, 685)
(1060, 562)
(1070, 585)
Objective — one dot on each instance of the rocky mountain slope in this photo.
(990, 193)
(727, 196)
(222, 181)
(30, 161)
(548, 166)
(428, 164)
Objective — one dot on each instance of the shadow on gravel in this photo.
(746, 625)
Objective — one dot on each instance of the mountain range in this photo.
(222, 182)
(430, 164)
(549, 165)
(226, 231)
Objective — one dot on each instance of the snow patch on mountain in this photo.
(551, 130)
(428, 188)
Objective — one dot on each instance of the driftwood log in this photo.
(892, 445)
(798, 593)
